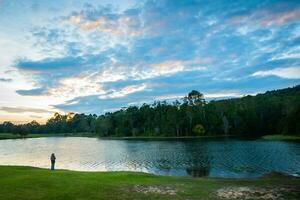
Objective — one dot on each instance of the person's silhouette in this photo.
(52, 158)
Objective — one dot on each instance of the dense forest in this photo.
(274, 112)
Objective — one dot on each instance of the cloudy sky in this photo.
(98, 56)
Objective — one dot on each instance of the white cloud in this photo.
(293, 53)
(72, 87)
(170, 97)
(209, 95)
(267, 17)
(288, 73)
(124, 91)
(223, 94)
(169, 67)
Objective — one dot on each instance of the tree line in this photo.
(274, 112)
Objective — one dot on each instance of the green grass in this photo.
(17, 136)
(4, 136)
(166, 137)
(282, 137)
(27, 183)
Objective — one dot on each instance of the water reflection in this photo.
(223, 158)
(198, 172)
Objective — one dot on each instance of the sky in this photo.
(99, 56)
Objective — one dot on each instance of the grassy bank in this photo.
(24, 183)
(266, 137)
(168, 138)
(4, 136)
(282, 137)
(17, 136)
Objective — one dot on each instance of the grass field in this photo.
(27, 183)
(282, 137)
(266, 137)
(4, 136)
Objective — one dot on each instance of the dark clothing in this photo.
(52, 158)
(52, 165)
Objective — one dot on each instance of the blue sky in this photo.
(99, 56)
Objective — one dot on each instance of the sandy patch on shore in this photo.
(256, 193)
(152, 189)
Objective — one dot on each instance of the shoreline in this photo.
(168, 138)
(267, 174)
(296, 138)
(4, 136)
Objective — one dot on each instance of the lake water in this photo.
(217, 158)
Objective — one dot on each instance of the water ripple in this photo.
(228, 158)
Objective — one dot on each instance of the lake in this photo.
(215, 158)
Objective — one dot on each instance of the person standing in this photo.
(52, 158)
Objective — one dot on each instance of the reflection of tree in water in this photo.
(151, 156)
(182, 157)
(198, 159)
(165, 157)
(197, 172)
